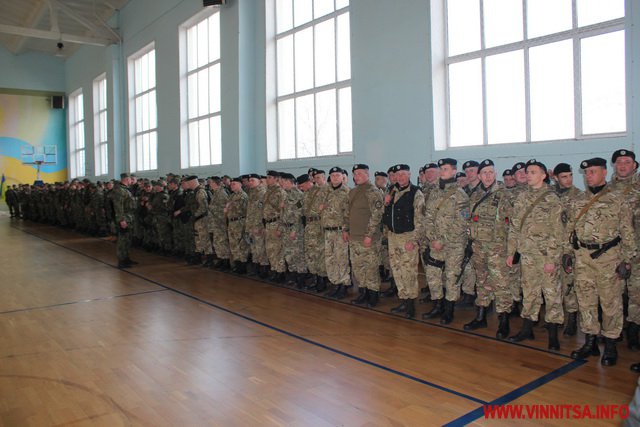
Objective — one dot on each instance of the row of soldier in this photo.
(514, 244)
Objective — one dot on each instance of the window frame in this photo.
(77, 154)
(101, 147)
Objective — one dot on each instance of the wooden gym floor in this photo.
(165, 344)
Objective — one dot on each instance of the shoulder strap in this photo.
(484, 197)
(531, 206)
(591, 202)
(446, 196)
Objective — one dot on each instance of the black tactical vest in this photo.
(398, 216)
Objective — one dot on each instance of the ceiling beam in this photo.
(53, 35)
(36, 15)
(91, 26)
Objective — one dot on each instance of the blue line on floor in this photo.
(519, 392)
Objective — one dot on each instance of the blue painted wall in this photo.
(31, 71)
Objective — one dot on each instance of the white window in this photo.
(100, 140)
(201, 136)
(532, 70)
(312, 95)
(143, 116)
(76, 134)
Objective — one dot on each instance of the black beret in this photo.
(215, 178)
(381, 174)
(303, 178)
(485, 163)
(273, 173)
(596, 161)
(430, 166)
(318, 172)
(461, 175)
(286, 175)
(359, 166)
(263, 177)
(470, 164)
(252, 175)
(561, 168)
(238, 179)
(335, 169)
(191, 177)
(421, 169)
(534, 162)
(344, 172)
(517, 167)
(448, 161)
(507, 172)
(401, 167)
(245, 176)
(311, 171)
(391, 169)
(622, 153)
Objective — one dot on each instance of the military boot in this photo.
(342, 292)
(411, 308)
(208, 262)
(479, 322)
(402, 308)
(392, 291)
(363, 295)
(280, 277)
(373, 298)
(554, 344)
(590, 348)
(632, 336)
(321, 284)
(436, 310)
(610, 355)
(225, 265)
(515, 309)
(571, 327)
(300, 280)
(334, 291)
(264, 272)
(503, 326)
(241, 267)
(468, 301)
(447, 315)
(526, 333)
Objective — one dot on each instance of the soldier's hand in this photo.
(409, 246)
(510, 260)
(123, 224)
(367, 242)
(387, 199)
(345, 236)
(321, 207)
(177, 213)
(623, 270)
(567, 263)
(549, 268)
(436, 245)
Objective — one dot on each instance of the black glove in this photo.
(623, 270)
(567, 263)
(516, 258)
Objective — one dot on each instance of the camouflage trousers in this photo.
(383, 250)
(364, 264)
(123, 244)
(314, 248)
(514, 276)
(536, 284)
(258, 250)
(220, 238)
(273, 246)
(633, 290)
(469, 279)
(238, 246)
(336, 255)
(202, 237)
(163, 232)
(404, 265)
(293, 249)
(596, 282)
(443, 282)
(569, 298)
(491, 272)
(177, 234)
(188, 236)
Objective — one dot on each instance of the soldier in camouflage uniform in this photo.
(160, 217)
(186, 217)
(364, 235)
(235, 213)
(536, 233)
(404, 219)
(255, 226)
(604, 244)
(509, 180)
(468, 281)
(567, 193)
(488, 232)
(200, 210)
(626, 180)
(124, 209)
(293, 230)
(218, 225)
(273, 200)
(313, 231)
(447, 221)
(333, 208)
(381, 183)
(175, 204)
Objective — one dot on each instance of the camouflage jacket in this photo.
(255, 203)
(364, 215)
(488, 222)
(217, 204)
(335, 204)
(273, 199)
(291, 214)
(447, 216)
(123, 204)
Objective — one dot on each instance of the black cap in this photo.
(273, 173)
(289, 176)
(561, 168)
(517, 167)
(215, 178)
(421, 169)
(191, 177)
(461, 175)
(253, 175)
(318, 172)
(485, 163)
(379, 173)
(448, 161)
(310, 171)
(303, 178)
(507, 172)
(596, 161)
(470, 164)
(237, 179)
(401, 167)
(390, 170)
(534, 162)
(430, 166)
(622, 153)
(335, 169)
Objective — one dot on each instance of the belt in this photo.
(238, 218)
(269, 221)
(313, 218)
(332, 228)
(590, 246)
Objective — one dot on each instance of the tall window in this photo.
(76, 134)
(143, 116)
(202, 142)
(313, 78)
(534, 70)
(100, 140)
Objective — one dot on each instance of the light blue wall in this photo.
(391, 88)
(31, 71)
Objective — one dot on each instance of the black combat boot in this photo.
(635, 368)
(334, 290)
(479, 322)
(447, 315)
(411, 308)
(264, 272)
(342, 292)
(590, 348)
(314, 282)
(515, 309)
(374, 296)
(208, 262)
(436, 310)
(225, 265)
(571, 326)
(610, 355)
(468, 301)
(554, 344)
(632, 336)
(291, 278)
(241, 267)
(300, 280)
(124, 264)
(402, 308)
(526, 333)
(363, 296)
(503, 326)
(392, 291)
(132, 262)
(321, 284)
(280, 277)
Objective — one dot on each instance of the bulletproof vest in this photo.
(398, 216)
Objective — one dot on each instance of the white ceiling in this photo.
(39, 25)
